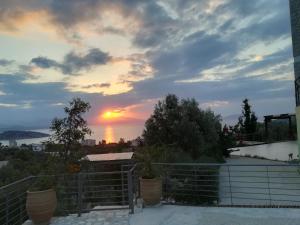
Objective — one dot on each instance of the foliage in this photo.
(196, 187)
(227, 140)
(248, 120)
(278, 130)
(21, 163)
(146, 156)
(252, 130)
(43, 183)
(182, 124)
(69, 131)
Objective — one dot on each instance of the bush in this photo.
(43, 183)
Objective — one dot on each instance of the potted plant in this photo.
(41, 200)
(150, 182)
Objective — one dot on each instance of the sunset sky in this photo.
(123, 56)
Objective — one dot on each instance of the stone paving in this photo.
(188, 215)
(185, 215)
(112, 217)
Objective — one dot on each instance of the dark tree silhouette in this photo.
(248, 120)
(182, 124)
(69, 131)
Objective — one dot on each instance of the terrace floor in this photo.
(258, 185)
(186, 215)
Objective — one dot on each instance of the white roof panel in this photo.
(110, 156)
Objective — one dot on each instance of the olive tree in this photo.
(182, 124)
(69, 131)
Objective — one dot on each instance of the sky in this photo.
(124, 56)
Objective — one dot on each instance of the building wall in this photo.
(295, 25)
(295, 28)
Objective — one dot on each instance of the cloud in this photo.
(5, 62)
(74, 63)
(59, 104)
(178, 44)
(154, 29)
(7, 105)
(45, 63)
(38, 103)
(228, 90)
(214, 104)
(196, 52)
(102, 85)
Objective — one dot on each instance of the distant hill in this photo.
(16, 135)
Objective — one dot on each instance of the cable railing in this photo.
(76, 193)
(206, 184)
(259, 185)
(13, 201)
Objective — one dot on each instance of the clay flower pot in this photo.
(40, 206)
(151, 190)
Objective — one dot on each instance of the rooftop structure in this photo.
(288, 116)
(89, 142)
(109, 157)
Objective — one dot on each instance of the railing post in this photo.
(122, 181)
(6, 210)
(269, 190)
(166, 178)
(195, 179)
(21, 210)
(130, 191)
(79, 194)
(229, 180)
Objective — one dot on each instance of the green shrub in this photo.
(43, 183)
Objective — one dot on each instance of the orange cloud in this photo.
(16, 21)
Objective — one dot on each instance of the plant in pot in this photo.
(41, 200)
(150, 182)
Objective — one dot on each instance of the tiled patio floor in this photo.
(113, 217)
(186, 215)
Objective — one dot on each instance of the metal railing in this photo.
(76, 193)
(259, 185)
(252, 185)
(85, 192)
(12, 202)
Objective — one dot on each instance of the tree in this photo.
(69, 131)
(121, 141)
(248, 120)
(227, 140)
(182, 124)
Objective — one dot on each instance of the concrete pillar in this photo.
(295, 28)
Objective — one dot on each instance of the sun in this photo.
(109, 115)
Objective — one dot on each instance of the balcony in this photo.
(192, 194)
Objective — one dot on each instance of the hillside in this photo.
(12, 134)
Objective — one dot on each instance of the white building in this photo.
(38, 147)
(12, 143)
(89, 142)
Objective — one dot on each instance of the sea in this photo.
(110, 133)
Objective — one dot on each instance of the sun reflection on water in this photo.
(109, 134)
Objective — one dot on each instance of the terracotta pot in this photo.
(151, 190)
(40, 206)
